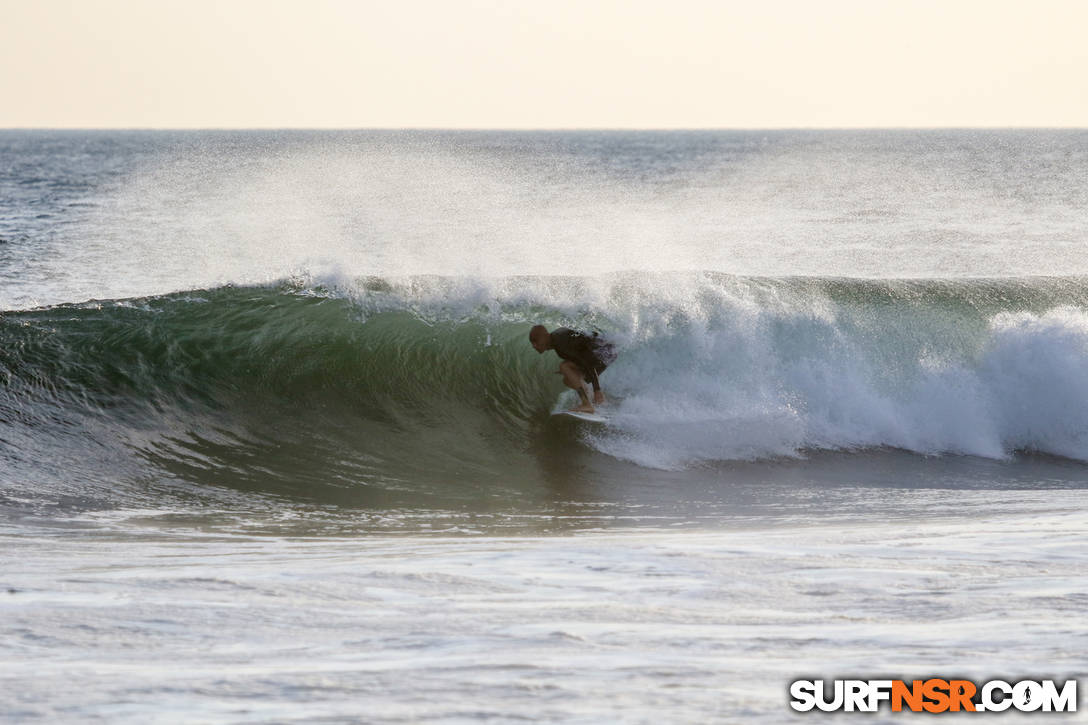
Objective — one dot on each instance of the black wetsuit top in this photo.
(589, 352)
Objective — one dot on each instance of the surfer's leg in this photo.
(573, 377)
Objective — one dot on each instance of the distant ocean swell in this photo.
(416, 383)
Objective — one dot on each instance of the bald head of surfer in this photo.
(540, 339)
(584, 357)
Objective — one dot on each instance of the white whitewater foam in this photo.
(740, 381)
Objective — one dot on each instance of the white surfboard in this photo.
(591, 417)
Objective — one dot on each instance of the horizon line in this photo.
(547, 128)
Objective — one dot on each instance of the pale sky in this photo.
(543, 64)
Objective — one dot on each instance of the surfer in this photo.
(585, 356)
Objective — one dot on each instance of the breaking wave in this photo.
(427, 383)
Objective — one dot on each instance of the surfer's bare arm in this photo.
(592, 379)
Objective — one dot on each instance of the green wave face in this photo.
(271, 389)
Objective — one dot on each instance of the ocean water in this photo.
(274, 446)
